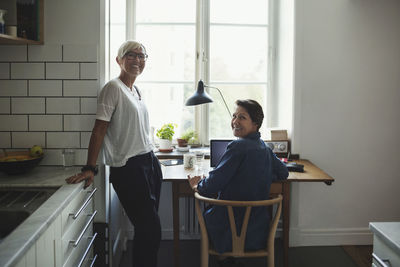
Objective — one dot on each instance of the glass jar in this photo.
(2, 13)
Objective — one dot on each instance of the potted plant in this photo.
(185, 138)
(165, 134)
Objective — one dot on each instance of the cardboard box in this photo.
(279, 135)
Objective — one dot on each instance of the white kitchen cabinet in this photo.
(45, 251)
(386, 250)
(77, 230)
(68, 241)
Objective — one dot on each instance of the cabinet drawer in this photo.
(75, 229)
(385, 252)
(83, 252)
(67, 216)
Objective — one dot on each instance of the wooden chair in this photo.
(238, 242)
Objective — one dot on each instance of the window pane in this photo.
(171, 52)
(166, 103)
(117, 33)
(242, 12)
(166, 11)
(238, 53)
(220, 122)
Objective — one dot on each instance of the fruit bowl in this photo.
(18, 162)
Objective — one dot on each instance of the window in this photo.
(223, 42)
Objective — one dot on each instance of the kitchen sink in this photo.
(17, 204)
(10, 220)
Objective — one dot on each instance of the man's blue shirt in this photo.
(245, 172)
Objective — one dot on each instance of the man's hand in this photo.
(193, 181)
(87, 176)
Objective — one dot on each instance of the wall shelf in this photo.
(7, 39)
(11, 40)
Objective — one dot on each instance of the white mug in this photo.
(11, 30)
(189, 160)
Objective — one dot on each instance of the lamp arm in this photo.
(219, 91)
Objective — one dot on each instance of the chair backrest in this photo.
(238, 241)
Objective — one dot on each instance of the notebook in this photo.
(217, 149)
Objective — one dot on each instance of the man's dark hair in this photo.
(254, 109)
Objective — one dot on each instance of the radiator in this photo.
(190, 227)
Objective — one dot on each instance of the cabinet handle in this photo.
(87, 251)
(380, 261)
(84, 204)
(76, 242)
(93, 260)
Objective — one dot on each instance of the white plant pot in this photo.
(165, 144)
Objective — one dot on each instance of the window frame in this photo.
(202, 64)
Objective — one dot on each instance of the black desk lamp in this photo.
(201, 97)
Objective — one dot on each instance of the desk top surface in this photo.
(311, 173)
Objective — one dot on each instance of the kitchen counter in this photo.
(389, 232)
(16, 244)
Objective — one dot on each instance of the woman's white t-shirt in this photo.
(128, 132)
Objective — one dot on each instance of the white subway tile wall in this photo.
(5, 105)
(13, 53)
(46, 53)
(27, 105)
(4, 70)
(80, 88)
(85, 138)
(62, 70)
(45, 87)
(28, 139)
(13, 88)
(48, 97)
(5, 139)
(88, 70)
(62, 105)
(88, 105)
(45, 123)
(27, 70)
(79, 122)
(63, 139)
(79, 53)
(13, 123)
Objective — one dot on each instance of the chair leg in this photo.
(204, 253)
(271, 258)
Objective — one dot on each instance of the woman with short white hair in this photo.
(122, 128)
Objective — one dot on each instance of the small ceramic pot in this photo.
(165, 144)
(182, 142)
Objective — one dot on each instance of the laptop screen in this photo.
(217, 149)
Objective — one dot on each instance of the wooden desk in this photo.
(180, 188)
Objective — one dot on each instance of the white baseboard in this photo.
(307, 237)
(330, 237)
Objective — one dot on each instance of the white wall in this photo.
(72, 21)
(347, 96)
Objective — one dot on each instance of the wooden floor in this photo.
(361, 255)
(327, 256)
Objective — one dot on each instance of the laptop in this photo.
(217, 149)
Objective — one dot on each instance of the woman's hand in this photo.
(87, 176)
(193, 181)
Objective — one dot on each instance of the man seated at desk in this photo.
(245, 172)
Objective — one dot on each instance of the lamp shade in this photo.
(199, 97)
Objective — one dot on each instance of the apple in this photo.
(36, 151)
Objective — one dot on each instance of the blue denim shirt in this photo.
(245, 172)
